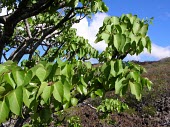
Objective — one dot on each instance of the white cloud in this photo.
(134, 57)
(89, 30)
(4, 12)
(157, 53)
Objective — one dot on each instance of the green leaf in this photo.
(99, 92)
(81, 54)
(58, 71)
(105, 36)
(41, 73)
(2, 90)
(88, 65)
(118, 29)
(74, 101)
(135, 75)
(118, 67)
(9, 63)
(127, 46)
(67, 70)
(58, 91)
(131, 17)
(106, 20)
(148, 44)
(104, 7)
(66, 105)
(27, 125)
(117, 40)
(144, 30)
(94, 6)
(27, 97)
(18, 77)
(82, 81)
(4, 111)
(41, 89)
(112, 70)
(143, 41)
(135, 38)
(135, 89)
(73, 47)
(119, 85)
(47, 93)
(15, 100)
(82, 89)
(3, 69)
(136, 26)
(147, 82)
(67, 88)
(28, 77)
(49, 68)
(82, 1)
(123, 27)
(9, 79)
(115, 20)
(106, 68)
(108, 28)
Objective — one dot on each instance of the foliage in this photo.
(56, 74)
(74, 121)
(112, 105)
(50, 87)
(124, 35)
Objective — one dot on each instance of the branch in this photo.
(27, 12)
(17, 50)
(2, 19)
(20, 121)
(27, 28)
(23, 4)
(20, 51)
(46, 51)
(4, 55)
(21, 13)
(65, 19)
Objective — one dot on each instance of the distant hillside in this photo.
(167, 59)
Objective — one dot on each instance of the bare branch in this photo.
(20, 51)
(2, 19)
(27, 28)
(46, 51)
(4, 55)
(65, 19)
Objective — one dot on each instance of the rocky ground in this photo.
(152, 111)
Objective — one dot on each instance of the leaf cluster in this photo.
(124, 35)
(51, 87)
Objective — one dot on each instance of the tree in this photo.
(55, 73)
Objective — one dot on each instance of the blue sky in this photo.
(158, 31)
